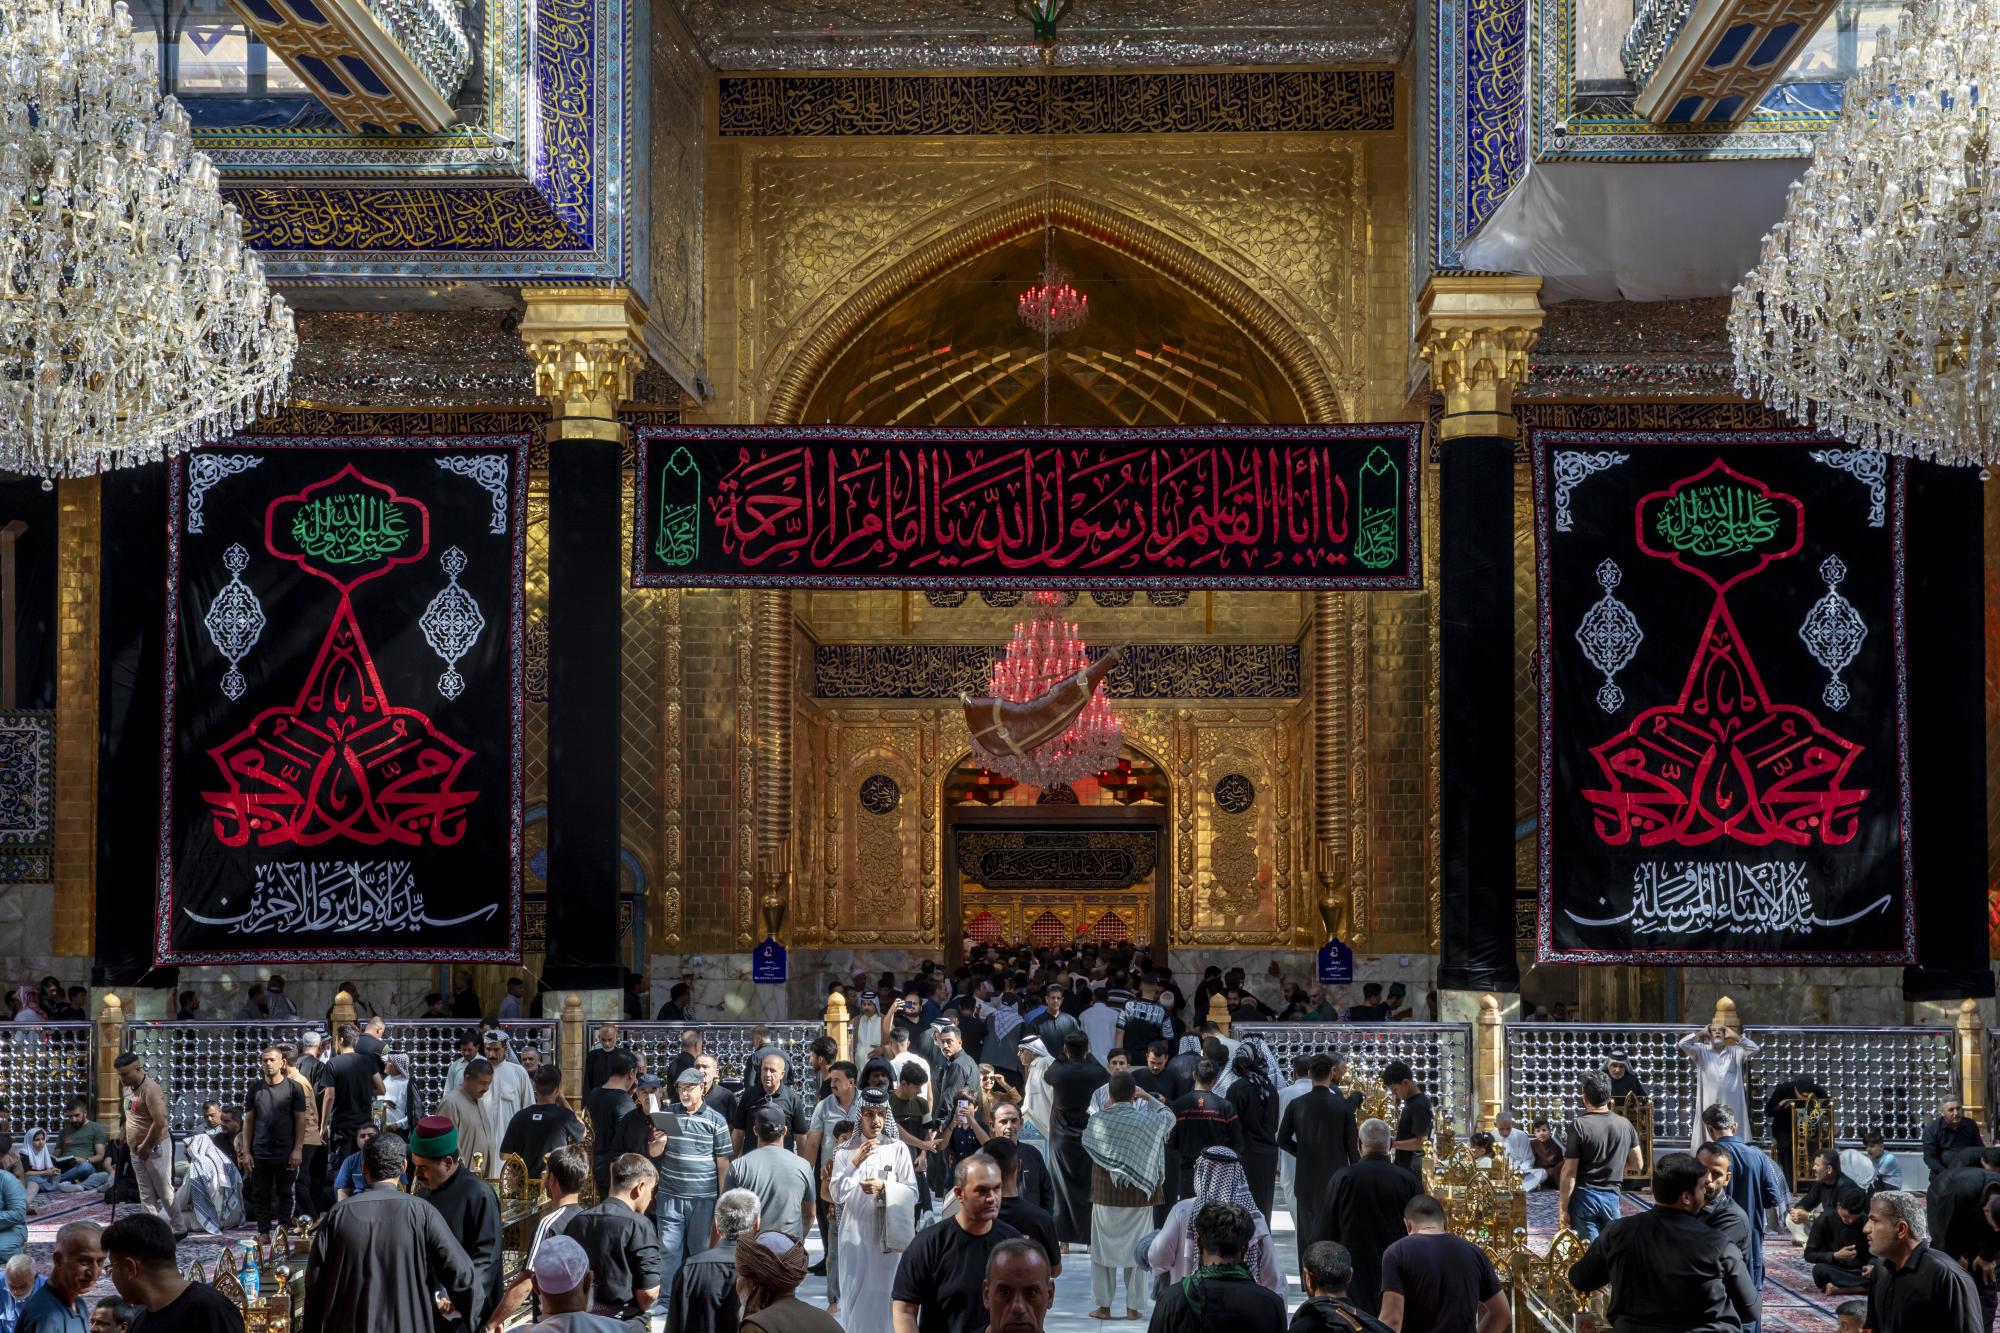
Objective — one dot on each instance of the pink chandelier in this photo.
(1047, 650)
(1052, 305)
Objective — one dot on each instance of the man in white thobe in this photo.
(1519, 1148)
(1720, 1055)
(1288, 1165)
(863, 1170)
(513, 1088)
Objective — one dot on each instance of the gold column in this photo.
(585, 343)
(838, 1027)
(1971, 1028)
(1490, 1061)
(1475, 332)
(1330, 849)
(571, 1045)
(773, 707)
(75, 858)
(110, 1044)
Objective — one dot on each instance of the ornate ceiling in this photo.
(987, 34)
(956, 353)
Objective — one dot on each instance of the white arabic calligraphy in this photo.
(1681, 897)
(347, 897)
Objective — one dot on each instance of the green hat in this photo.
(435, 1136)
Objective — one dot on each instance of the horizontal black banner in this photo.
(1027, 507)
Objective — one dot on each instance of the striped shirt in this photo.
(695, 1143)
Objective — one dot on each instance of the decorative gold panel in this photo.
(1015, 912)
(1284, 219)
(74, 863)
(535, 711)
(673, 331)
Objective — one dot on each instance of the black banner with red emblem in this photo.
(1724, 709)
(342, 750)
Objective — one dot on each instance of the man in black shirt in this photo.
(606, 1106)
(1413, 1124)
(1071, 1082)
(1371, 1009)
(1035, 1185)
(1037, 1224)
(1143, 1022)
(1363, 1210)
(1723, 1214)
(941, 1277)
(274, 1135)
(1951, 1131)
(1221, 1293)
(1956, 1211)
(1914, 1288)
(350, 1083)
(140, 1255)
(1202, 1120)
(540, 1129)
(1598, 1151)
(1837, 1244)
(1319, 1132)
(597, 1061)
(1667, 1269)
(703, 1298)
(770, 1088)
(469, 1209)
(622, 1242)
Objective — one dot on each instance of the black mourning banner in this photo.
(342, 750)
(1724, 713)
(1027, 507)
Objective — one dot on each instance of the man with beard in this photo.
(1072, 1080)
(469, 1209)
(606, 1106)
(379, 1256)
(1036, 1186)
(1666, 1270)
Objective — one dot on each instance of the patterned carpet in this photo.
(1791, 1305)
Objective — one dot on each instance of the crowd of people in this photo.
(996, 1131)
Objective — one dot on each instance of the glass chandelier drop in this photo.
(1874, 312)
(1047, 650)
(134, 322)
(1052, 305)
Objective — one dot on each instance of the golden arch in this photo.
(1271, 332)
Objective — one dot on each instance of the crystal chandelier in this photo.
(1873, 313)
(1052, 305)
(134, 322)
(1047, 650)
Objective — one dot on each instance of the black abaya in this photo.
(1256, 1103)
(1070, 1084)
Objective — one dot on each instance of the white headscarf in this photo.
(36, 1152)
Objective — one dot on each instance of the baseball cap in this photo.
(772, 1115)
(559, 1265)
(650, 1081)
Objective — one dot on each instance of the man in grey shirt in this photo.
(779, 1177)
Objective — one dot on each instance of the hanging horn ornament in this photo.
(1001, 727)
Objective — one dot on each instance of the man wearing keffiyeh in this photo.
(1127, 1141)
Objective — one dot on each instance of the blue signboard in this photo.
(1336, 964)
(767, 963)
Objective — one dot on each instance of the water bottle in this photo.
(252, 1275)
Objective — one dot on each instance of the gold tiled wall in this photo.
(75, 861)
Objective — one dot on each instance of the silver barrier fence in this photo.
(658, 1043)
(428, 1047)
(43, 1066)
(1439, 1054)
(205, 1060)
(214, 1060)
(1886, 1079)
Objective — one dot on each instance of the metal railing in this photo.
(205, 1060)
(428, 1047)
(1439, 1054)
(658, 1043)
(43, 1066)
(1887, 1079)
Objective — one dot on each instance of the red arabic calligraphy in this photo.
(1103, 509)
(340, 762)
(1725, 763)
